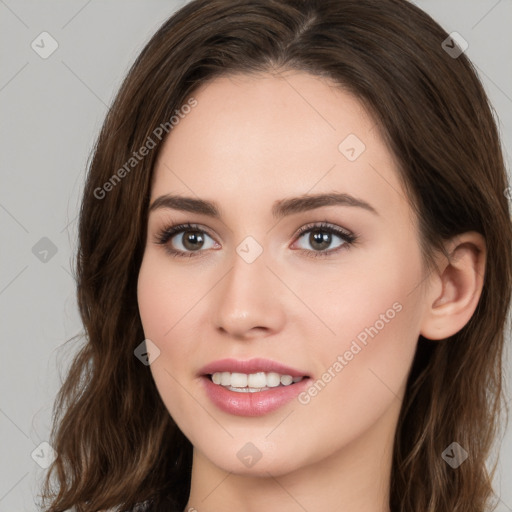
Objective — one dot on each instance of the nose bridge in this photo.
(246, 298)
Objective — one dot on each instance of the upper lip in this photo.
(250, 366)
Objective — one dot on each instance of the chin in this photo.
(251, 461)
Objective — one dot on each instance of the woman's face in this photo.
(247, 294)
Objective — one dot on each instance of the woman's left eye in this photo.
(321, 237)
(192, 239)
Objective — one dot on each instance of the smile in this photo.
(251, 388)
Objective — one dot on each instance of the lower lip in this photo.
(252, 404)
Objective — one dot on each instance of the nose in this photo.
(249, 302)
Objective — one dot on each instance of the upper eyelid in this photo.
(323, 225)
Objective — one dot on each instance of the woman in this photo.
(294, 270)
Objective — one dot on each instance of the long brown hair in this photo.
(116, 443)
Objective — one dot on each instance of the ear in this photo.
(455, 288)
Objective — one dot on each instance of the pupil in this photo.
(193, 240)
(321, 238)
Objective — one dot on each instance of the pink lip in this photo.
(250, 366)
(251, 404)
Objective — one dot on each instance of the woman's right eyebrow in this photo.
(280, 208)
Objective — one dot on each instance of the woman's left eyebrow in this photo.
(280, 208)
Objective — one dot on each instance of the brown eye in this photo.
(184, 240)
(192, 240)
(320, 238)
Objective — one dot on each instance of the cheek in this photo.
(164, 295)
(366, 295)
(166, 305)
(375, 313)
(158, 307)
(359, 384)
(163, 303)
(151, 297)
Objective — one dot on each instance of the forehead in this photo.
(265, 137)
(292, 113)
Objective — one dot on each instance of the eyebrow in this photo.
(280, 208)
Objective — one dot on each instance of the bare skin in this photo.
(249, 142)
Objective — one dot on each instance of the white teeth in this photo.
(273, 379)
(256, 380)
(286, 380)
(239, 380)
(252, 382)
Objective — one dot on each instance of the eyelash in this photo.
(164, 235)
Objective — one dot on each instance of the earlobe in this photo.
(456, 288)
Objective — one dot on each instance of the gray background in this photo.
(51, 111)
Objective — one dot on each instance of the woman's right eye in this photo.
(184, 240)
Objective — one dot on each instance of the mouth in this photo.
(252, 382)
(251, 388)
